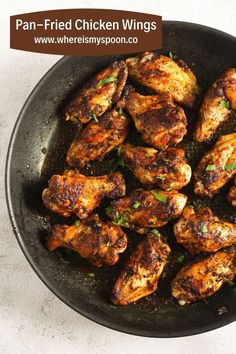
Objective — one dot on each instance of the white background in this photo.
(32, 320)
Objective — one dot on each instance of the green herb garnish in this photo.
(230, 167)
(77, 223)
(180, 258)
(118, 150)
(161, 178)
(210, 168)
(107, 80)
(159, 196)
(171, 55)
(121, 162)
(225, 104)
(136, 205)
(204, 228)
(120, 219)
(147, 155)
(108, 243)
(155, 231)
(121, 112)
(91, 275)
(230, 283)
(108, 210)
(95, 117)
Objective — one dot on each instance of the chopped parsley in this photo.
(155, 231)
(230, 167)
(91, 275)
(108, 243)
(77, 223)
(171, 56)
(105, 81)
(121, 162)
(210, 168)
(118, 150)
(147, 155)
(204, 228)
(159, 196)
(225, 104)
(136, 205)
(95, 117)
(120, 219)
(121, 112)
(181, 258)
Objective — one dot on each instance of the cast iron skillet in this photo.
(37, 150)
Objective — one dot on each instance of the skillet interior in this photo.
(37, 150)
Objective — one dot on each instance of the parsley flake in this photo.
(225, 104)
(181, 258)
(171, 55)
(107, 80)
(77, 223)
(230, 167)
(159, 196)
(136, 205)
(210, 168)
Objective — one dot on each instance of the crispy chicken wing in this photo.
(100, 92)
(73, 193)
(146, 209)
(99, 242)
(160, 121)
(164, 75)
(216, 106)
(203, 232)
(232, 194)
(202, 278)
(165, 169)
(141, 273)
(216, 167)
(97, 139)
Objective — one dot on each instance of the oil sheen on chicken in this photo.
(165, 169)
(99, 242)
(164, 75)
(74, 193)
(202, 278)
(141, 273)
(203, 232)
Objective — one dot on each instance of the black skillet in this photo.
(37, 150)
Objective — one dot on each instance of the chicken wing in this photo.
(99, 242)
(216, 106)
(216, 167)
(100, 92)
(164, 75)
(202, 278)
(97, 139)
(232, 194)
(73, 193)
(166, 169)
(160, 121)
(146, 209)
(203, 232)
(141, 273)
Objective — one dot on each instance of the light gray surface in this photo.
(31, 318)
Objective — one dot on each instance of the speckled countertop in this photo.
(32, 319)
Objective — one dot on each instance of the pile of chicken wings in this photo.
(106, 106)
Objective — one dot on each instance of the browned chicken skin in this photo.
(164, 75)
(216, 106)
(146, 209)
(100, 92)
(73, 193)
(202, 278)
(99, 242)
(216, 167)
(232, 194)
(159, 120)
(97, 139)
(141, 273)
(203, 232)
(165, 169)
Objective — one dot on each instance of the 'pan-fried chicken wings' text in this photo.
(202, 278)
(146, 209)
(100, 92)
(216, 106)
(164, 75)
(141, 273)
(97, 139)
(99, 242)
(165, 169)
(159, 120)
(73, 193)
(232, 194)
(216, 167)
(203, 232)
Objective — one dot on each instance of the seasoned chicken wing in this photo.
(203, 232)
(99, 242)
(74, 193)
(216, 106)
(216, 167)
(202, 278)
(232, 194)
(100, 92)
(97, 139)
(160, 121)
(164, 75)
(146, 209)
(141, 273)
(165, 169)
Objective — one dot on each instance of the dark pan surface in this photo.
(37, 150)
